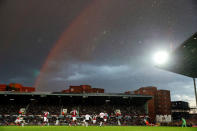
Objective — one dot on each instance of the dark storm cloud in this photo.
(28, 32)
(111, 49)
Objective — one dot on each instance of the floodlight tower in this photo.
(194, 80)
(183, 60)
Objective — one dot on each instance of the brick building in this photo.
(3, 87)
(16, 87)
(160, 104)
(83, 89)
(163, 105)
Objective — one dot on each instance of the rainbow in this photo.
(85, 26)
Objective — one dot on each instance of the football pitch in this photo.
(94, 128)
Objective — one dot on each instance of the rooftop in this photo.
(43, 94)
(184, 59)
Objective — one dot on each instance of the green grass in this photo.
(94, 128)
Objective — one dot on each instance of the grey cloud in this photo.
(103, 71)
(182, 97)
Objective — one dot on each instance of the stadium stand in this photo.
(133, 107)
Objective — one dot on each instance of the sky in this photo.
(103, 43)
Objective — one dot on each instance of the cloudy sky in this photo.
(104, 43)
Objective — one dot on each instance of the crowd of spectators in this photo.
(131, 115)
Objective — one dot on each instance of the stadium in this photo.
(140, 57)
(60, 105)
(83, 106)
(124, 111)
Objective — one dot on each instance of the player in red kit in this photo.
(94, 119)
(105, 118)
(46, 121)
(74, 114)
(19, 120)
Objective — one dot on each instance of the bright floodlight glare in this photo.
(161, 57)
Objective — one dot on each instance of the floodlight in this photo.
(160, 57)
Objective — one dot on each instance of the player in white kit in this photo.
(87, 119)
(118, 117)
(101, 117)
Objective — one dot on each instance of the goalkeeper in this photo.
(184, 124)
